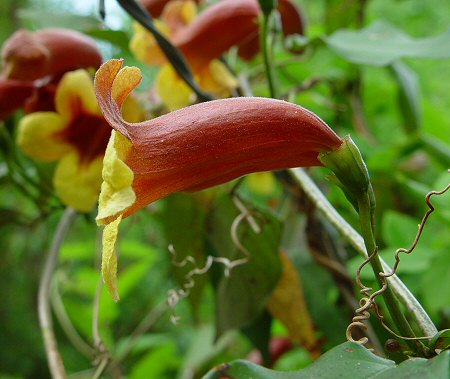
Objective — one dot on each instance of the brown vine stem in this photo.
(414, 308)
(54, 359)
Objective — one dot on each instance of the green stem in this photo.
(366, 219)
(414, 308)
(267, 55)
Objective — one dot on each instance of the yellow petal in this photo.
(262, 183)
(126, 80)
(109, 257)
(37, 136)
(78, 184)
(132, 110)
(116, 193)
(174, 92)
(75, 94)
(144, 47)
(217, 79)
(189, 11)
(178, 14)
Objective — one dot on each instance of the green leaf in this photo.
(437, 148)
(409, 96)
(339, 14)
(133, 275)
(399, 230)
(258, 332)
(183, 224)
(116, 37)
(241, 297)
(381, 44)
(203, 348)
(160, 362)
(56, 19)
(349, 360)
(435, 290)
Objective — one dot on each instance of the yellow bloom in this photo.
(76, 136)
(212, 75)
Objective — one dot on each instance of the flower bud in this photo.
(48, 52)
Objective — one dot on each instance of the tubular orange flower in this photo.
(193, 148)
(47, 52)
(202, 40)
(33, 63)
(75, 135)
(216, 30)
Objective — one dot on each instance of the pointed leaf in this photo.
(183, 227)
(409, 96)
(348, 360)
(381, 43)
(258, 332)
(241, 297)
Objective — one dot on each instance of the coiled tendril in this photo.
(368, 300)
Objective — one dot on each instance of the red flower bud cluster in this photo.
(33, 63)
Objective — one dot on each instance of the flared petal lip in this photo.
(209, 143)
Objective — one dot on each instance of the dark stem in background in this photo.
(266, 46)
(174, 56)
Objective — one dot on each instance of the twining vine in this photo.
(368, 300)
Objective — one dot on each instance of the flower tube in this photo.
(202, 40)
(217, 29)
(47, 52)
(193, 148)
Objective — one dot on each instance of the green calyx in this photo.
(350, 171)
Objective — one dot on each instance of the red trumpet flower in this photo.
(194, 148)
(47, 52)
(34, 62)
